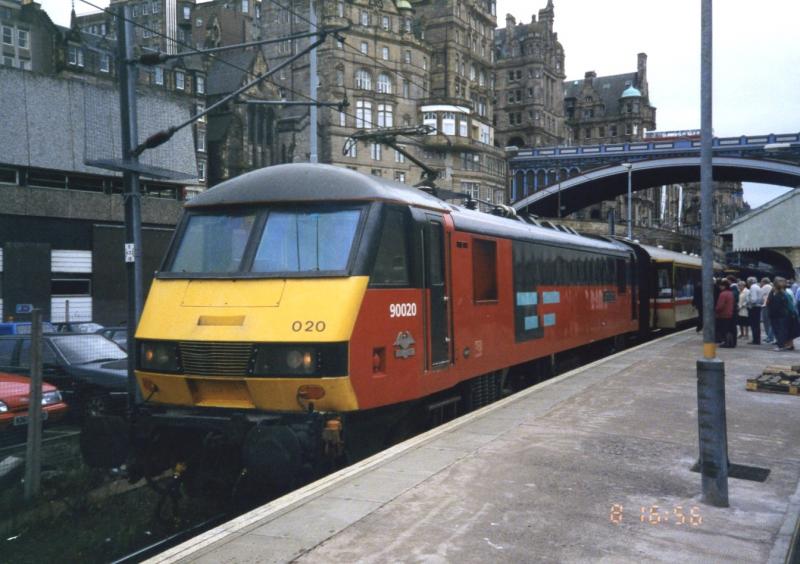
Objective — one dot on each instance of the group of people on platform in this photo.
(747, 304)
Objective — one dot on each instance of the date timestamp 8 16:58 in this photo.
(657, 515)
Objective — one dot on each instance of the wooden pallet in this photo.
(777, 379)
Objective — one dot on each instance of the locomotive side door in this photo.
(436, 283)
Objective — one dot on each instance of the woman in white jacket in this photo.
(743, 315)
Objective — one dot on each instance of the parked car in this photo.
(90, 370)
(117, 334)
(14, 394)
(78, 327)
(24, 328)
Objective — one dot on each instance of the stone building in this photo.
(529, 109)
(225, 22)
(26, 37)
(397, 67)
(460, 104)
(241, 136)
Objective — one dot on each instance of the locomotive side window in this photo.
(622, 276)
(213, 243)
(391, 264)
(484, 270)
(306, 241)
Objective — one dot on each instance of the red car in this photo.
(14, 391)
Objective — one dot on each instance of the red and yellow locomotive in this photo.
(306, 310)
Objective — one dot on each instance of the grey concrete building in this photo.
(61, 235)
(529, 110)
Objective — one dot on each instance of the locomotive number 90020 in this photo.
(403, 310)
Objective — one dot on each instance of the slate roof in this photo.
(226, 72)
(609, 88)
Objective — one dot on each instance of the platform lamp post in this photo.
(711, 421)
(629, 167)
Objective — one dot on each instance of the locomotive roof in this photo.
(305, 182)
(479, 222)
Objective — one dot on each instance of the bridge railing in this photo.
(656, 145)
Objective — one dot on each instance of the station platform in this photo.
(593, 465)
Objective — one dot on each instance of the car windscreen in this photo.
(83, 349)
(299, 240)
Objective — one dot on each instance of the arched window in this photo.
(339, 76)
(385, 115)
(384, 83)
(363, 79)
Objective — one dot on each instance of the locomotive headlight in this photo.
(158, 356)
(315, 360)
(301, 361)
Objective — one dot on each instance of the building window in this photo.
(462, 126)
(385, 53)
(473, 189)
(375, 151)
(384, 83)
(199, 109)
(8, 61)
(364, 48)
(386, 23)
(363, 114)
(406, 89)
(363, 79)
(201, 171)
(342, 119)
(407, 56)
(24, 64)
(79, 53)
(72, 55)
(102, 29)
(22, 38)
(400, 177)
(385, 115)
(587, 133)
(201, 84)
(187, 12)
(449, 123)
(245, 6)
(180, 82)
(145, 8)
(156, 6)
(158, 76)
(339, 77)
(364, 17)
(105, 63)
(351, 149)
(424, 63)
(198, 22)
(340, 9)
(399, 157)
(429, 118)
(201, 141)
(612, 130)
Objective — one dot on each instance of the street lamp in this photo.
(628, 167)
(558, 179)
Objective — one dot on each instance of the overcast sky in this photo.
(756, 57)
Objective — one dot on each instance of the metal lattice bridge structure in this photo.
(576, 177)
